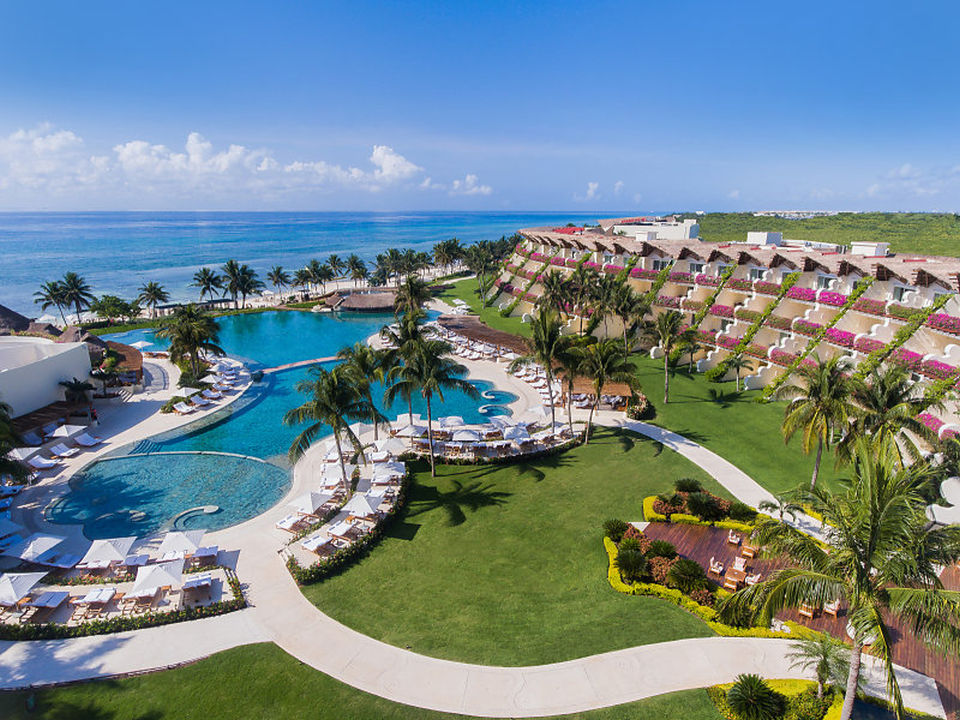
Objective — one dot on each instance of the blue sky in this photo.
(479, 105)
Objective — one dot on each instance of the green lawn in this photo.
(466, 290)
(742, 431)
(261, 682)
(504, 565)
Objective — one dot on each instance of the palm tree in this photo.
(820, 405)
(412, 295)
(363, 366)
(630, 308)
(279, 278)
(739, 363)
(692, 347)
(430, 371)
(568, 365)
(545, 345)
(404, 341)
(603, 299)
(231, 280)
(247, 283)
(51, 294)
(10, 439)
(75, 391)
(336, 265)
(191, 333)
(333, 402)
(315, 269)
(556, 293)
(781, 505)
(825, 656)
(441, 254)
(208, 281)
(604, 362)
(888, 404)
(479, 259)
(321, 275)
(151, 295)
(667, 332)
(302, 279)
(879, 555)
(76, 292)
(356, 268)
(580, 290)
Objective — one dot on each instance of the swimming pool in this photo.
(144, 487)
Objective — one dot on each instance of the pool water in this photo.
(147, 486)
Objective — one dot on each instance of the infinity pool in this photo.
(148, 486)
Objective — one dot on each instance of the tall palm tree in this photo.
(604, 362)
(692, 347)
(51, 294)
(545, 345)
(412, 295)
(208, 281)
(247, 283)
(321, 276)
(336, 265)
(556, 292)
(430, 371)
(888, 403)
(315, 268)
(76, 292)
(356, 268)
(279, 278)
(580, 286)
(10, 439)
(820, 405)
(739, 363)
(880, 556)
(404, 341)
(441, 254)
(151, 295)
(191, 333)
(568, 366)
(333, 402)
(630, 308)
(231, 280)
(667, 332)
(363, 366)
(604, 299)
(480, 260)
(302, 279)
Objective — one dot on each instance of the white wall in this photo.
(26, 387)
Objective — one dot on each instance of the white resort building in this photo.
(31, 369)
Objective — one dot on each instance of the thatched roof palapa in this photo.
(12, 321)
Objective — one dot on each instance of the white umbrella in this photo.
(187, 390)
(9, 527)
(502, 421)
(141, 344)
(186, 541)
(361, 506)
(391, 445)
(108, 551)
(411, 431)
(48, 319)
(34, 547)
(407, 419)
(451, 421)
(153, 577)
(515, 432)
(309, 502)
(539, 413)
(68, 431)
(466, 436)
(212, 379)
(15, 586)
(23, 453)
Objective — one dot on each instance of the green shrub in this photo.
(632, 564)
(807, 706)
(661, 548)
(167, 407)
(751, 698)
(705, 506)
(614, 529)
(742, 512)
(688, 485)
(686, 576)
(630, 543)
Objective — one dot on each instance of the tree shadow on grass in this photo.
(470, 496)
(54, 709)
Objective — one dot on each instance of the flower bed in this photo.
(931, 421)
(839, 337)
(591, 265)
(936, 369)
(727, 341)
(767, 288)
(782, 357)
(709, 336)
(745, 314)
(538, 257)
(867, 345)
(779, 322)
(871, 307)
(710, 280)
(612, 269)
(806, 327)
(725, 311)
(906, 359)
(680, 277)
(944, 323)
(757, 350)
(832, 298)
(801, 293)
(737, 284)
(558, 261)
(902, 312)
(692, 305)
(669, 301)
(571, 262)
(643, 274)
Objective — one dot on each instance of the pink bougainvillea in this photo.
(767, 288)
(802, 293)
(782, 357)
(722, 310)
(944, 323)
(692, 304)
(558, 261)
(936, 369)
(736, 284)
(832, 298)
(840, 337)
(779, 322)
(931, 421)
(612, 269)
(680, 277)
(867, 345)
(871, 307)
(572, 262)
(757, 350)
(641, 273)
(539, 257)
(906, 358)
(590, 265)
(707, 280)
(668, 301)
(806, 327)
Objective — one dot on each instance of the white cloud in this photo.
(618, 187)
(470, 185)
(907, 180)
(591, 194)
(391, 166)
(733, 194)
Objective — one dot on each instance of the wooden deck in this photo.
(700, 543)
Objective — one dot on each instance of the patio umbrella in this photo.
(34, 547)
(9, 527)
(15, 586)
(451, 421)
(23, 453)
(108, 551)
(361, 506)
(407, 419)
(212, 379)
(515, 432)
(68, 431)
(187, 391)
(411, 431)
(391, 445)
(141, 344)
(154, 577)
(466, 436)
(502, 421)
(185, 541)
(309, 502)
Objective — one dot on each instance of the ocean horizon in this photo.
(117, 252)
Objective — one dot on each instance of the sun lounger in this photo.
(62, 451)
(32, 439)
(199, 401)
(211, 394)
(182, 408)
(85, 440)
(40, 463)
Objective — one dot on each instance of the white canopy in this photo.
(23, 453)
(411, 431)
(154, 577)
(109, 550)
(187, 390)
(8, 527)
(309, 502)
(34, 547)
(502, 421)
(391, 445)
(515, 432)
(141, 344)
(68, 431)
(466, 436)
(451, 421)
(186, 541)
(212, 379)
(408, 419)
(361, 506)
(14, 586)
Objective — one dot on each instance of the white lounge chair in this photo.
(62, 451)
(182, 408)
(211, 395)
(85, 440)
(41, 463)
(32, 439)
(199, 401)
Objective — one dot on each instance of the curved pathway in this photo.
(280, 613)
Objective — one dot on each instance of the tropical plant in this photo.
(739, 363)
(75, 391)
(363, 366)
(247, 283)
(782, 505)
(302, 279)
(603, 298)
(752, 699)
(10, 439)
(569, 368)
(191, 333)
(604, 363)
(412, 295)
(480, 259)
(820, 405)
(321, 275)
(430, 371)
(632, 564)
(208, 281)
(614, 529)
(878, 554)
(580, 290)
(333, 401)
(555, 291)
(630, 308)
(110, 306)
(76, 292)
(403, 343)
(826, 656)
(336, 265)
(51, 294)
(544, 347)
(279, 278)
(357, 269)
(151, 295)
(667, 332)
(231, 280)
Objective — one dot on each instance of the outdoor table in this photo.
(50, 599)
(737, 576)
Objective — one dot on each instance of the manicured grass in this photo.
(735, 427)
(504, 564)
(466, 290)
(261, 682)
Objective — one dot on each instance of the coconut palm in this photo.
(580, 291)
(404, 342)
(556, 293)
(412, 294)
(480, 260)
(151, 295)
(208, 281)
(430, 371)
(76, 292)
(604, 362)
(545, 345)
(75, 391)
(442, 255)
(667, 332)
(603, 299)
(279, 278)
(363, 366)
(302, 279)
(568, 366)
(691, 347)
(739, 363)
(333, 402)
(336, 265)
(10, 439)
(782, 505)
(231, 280)
(247, 283)
(51, 294)
(820, 406)
(191, 333)
(321, 275)
(879, 555)
(630, 308)
(826, 656)
(357, 269)
(314, 269)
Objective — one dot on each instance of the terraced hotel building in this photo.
(770, 298)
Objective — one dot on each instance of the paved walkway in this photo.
(300, 363)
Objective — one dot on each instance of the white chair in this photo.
(740, 563)
(85, 440)
(181, 408)
(716, 567)
(62, 451)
